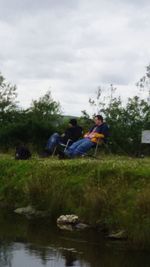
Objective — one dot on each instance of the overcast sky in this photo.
(73, 46)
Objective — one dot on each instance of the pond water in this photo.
(38, 243)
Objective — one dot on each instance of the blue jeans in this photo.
(53, 141)
(79, 147)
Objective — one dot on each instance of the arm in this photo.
(95, 137)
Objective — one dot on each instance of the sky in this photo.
(71, 47)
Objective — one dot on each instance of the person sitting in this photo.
(99, 131)
(72, 133)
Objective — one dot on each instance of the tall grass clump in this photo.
(139, 220)
(56, 186)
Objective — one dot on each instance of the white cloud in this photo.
(73, 47)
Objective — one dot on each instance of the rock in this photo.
(68, 219)
(29, 211)
(70, 222)
(120, 235)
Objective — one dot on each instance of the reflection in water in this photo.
(6, 255)
(37, 243)
(70, 258)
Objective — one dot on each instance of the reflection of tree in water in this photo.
(44, 253)
(50, 245)
(70, 257)
(6, 255)
(47, 254)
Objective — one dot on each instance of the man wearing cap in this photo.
(72, 133)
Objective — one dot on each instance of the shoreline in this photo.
(112, 193)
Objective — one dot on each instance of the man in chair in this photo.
(72, 133)
(99, 131)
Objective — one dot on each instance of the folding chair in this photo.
(62, 146)
(65, 146)
(101, 143)
(93, 151)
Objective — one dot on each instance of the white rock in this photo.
(68, 219)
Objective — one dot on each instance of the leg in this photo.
(69, 151)
(53, 141)
(79, 148)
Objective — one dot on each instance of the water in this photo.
(36, 243)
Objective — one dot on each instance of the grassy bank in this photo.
(113, 192)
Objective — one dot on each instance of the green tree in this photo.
(85, 121)
(144, 83)
(8, 102)
(32, 125)
(44, 118)
(45, 107)
(126, 121)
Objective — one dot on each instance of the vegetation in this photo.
(34, 125)
(111, 193)
(30, 126)
(126, 121)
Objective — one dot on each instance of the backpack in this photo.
(22, 153)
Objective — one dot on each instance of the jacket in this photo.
(73, 133)
(98, 132)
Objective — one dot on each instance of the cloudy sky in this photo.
(73, 46)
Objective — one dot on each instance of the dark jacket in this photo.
(102, 129)
(73, 133)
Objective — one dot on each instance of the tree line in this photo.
(31, 126)
(35, 124)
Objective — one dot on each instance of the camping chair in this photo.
(94, 150)
(99, 144)
(62, 146)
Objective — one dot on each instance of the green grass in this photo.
(113, 192)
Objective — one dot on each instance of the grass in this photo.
(113, 192)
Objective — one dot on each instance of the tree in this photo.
(85, 121)
(126, 121)
(32, 125)
(144, 83)
(43, 116)
(45, 106)
(8, 103)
